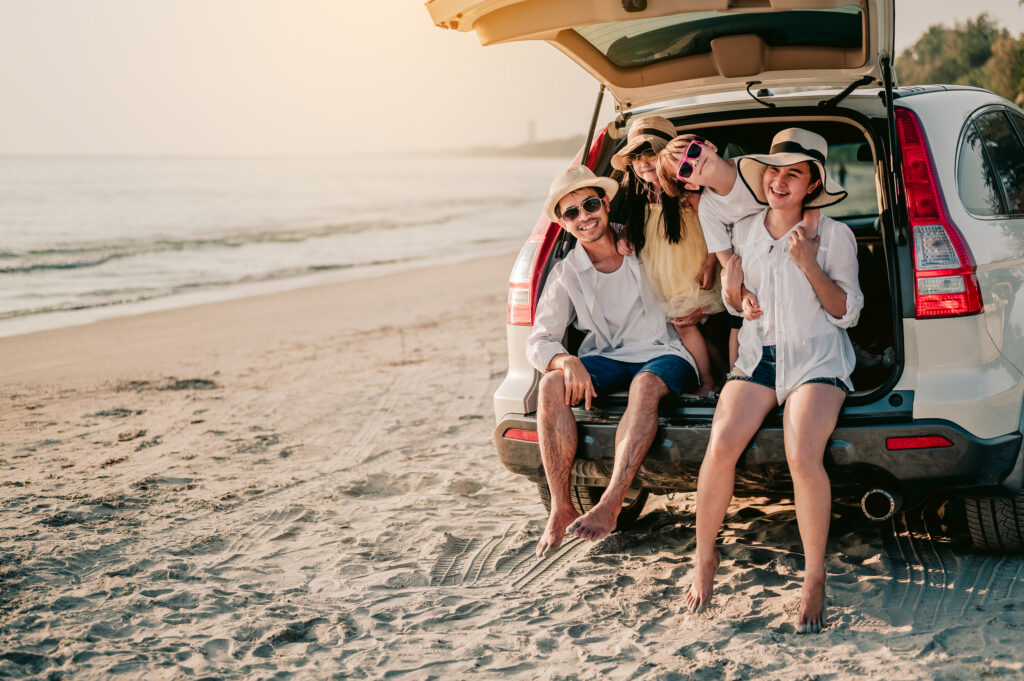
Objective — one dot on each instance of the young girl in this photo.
(793, 350)
(664, 231)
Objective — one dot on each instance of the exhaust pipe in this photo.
(880, 504)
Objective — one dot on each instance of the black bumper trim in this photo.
(856, 457)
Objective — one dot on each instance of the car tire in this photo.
(996, 524)
(584, 498)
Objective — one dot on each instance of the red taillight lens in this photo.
(945, 282)
(524, 283)
(917, 442)
(522, 435)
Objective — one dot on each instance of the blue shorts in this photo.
(764, 373)
(611, 376)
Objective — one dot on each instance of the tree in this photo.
(977, 52)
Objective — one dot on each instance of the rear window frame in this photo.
(1016, 122)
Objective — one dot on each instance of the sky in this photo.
(266, 77)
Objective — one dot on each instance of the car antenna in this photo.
(826, 103)
(593, 124)
(763, 92)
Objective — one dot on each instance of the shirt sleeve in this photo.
(712, 223)
(554, 314)
(841, 267)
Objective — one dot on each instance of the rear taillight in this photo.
(524, 283)
(525, 279)
(944, 272)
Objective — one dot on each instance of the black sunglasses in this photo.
(591, 204)
(693, 150)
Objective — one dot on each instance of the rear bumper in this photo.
(856, 458)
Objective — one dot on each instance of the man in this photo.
(627, 344)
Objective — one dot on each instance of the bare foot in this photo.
(700, 586)
(812, 606)
(552, 537)
(598, 522)
(707, 387)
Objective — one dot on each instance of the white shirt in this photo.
(810, 343)
(718, 213)
(573, 295)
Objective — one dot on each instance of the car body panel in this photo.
(732, 58)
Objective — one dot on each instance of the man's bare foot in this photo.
(598, 522)
(552, 537)
(812, 606)
(700, 586)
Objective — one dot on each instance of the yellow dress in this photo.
(672, 268)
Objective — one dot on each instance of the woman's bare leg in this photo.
(693, 341)
(809, 419)
(740, 411)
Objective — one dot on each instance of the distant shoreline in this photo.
(564, 147)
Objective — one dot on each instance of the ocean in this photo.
(82, 238)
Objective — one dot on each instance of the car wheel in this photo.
(996, 524)
(584, 498)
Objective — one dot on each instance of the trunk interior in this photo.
(856, 160)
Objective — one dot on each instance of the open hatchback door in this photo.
(648, 51)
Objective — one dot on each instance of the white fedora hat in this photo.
(789, 147)
(568, 181)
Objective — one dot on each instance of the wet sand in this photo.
(303, 485)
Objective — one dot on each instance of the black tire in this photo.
(996, 524)
(584, 498)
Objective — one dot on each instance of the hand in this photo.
(578, 385)
(732, 276)
(803, 250)
(706, 275)
(751, 309)
(691, 319)
(623, 246)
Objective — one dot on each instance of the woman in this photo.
(664, 231)
(793, 350)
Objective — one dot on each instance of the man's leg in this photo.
(556, 431)
(808, 421)
(633, 439)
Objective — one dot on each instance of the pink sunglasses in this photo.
(693, 151)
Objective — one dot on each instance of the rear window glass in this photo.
(646, 41)
(975, 179)
(1007, 155)
(850, 165)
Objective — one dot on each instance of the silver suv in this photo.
(935, 177)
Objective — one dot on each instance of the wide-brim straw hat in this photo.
(653, 130)
(791, 146)
(571, 179)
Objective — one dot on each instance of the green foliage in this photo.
(976, 52)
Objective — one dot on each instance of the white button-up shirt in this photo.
(571, 296)
(810, 343)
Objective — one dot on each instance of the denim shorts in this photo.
(764, 373)
(611, 375)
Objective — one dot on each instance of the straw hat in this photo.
(571, 179)
(653, 130)
(790, 146)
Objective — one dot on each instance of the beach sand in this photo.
(303, 485)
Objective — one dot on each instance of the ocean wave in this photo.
(94, 254)
(110, 298)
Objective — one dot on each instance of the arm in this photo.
(554, 314)
(840, 297)
(706, 274)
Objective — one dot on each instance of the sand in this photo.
(303, 485)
